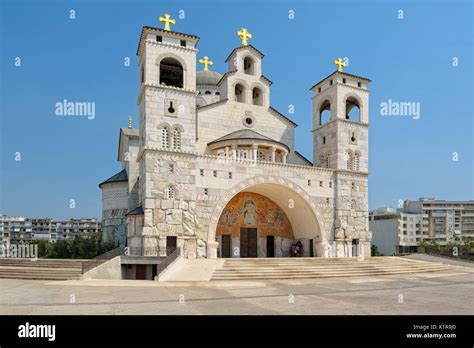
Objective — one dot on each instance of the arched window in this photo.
(261, 156)
(171, 73)
(324, 161)
(217, 93)
(352, 109)
(356, 161)
(239, 93)
(170, 192)
(325, 112)
(207, 92)
(349, 160)
(165, 137)
(176, 139)
(257, 96)
(249, 66)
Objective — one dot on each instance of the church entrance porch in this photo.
(252, 225)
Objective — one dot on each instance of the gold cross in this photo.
(339, 64)
(244, 35)
(167, 21)
(206, 63)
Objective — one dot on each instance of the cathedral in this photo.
(212, 170)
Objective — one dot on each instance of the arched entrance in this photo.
(291, 200)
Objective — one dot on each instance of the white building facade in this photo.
(212, 168)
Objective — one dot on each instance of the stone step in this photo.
(296, 268)
(41, 269)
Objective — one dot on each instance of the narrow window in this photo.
(165, 138)
(359, 84)
(176, 139)
(324, 140)
(349, 160)
(327, 200)
(214, 173)
(330, 184)
(170, 192)
(206, 191)
(343, 80)
(201, 172)
(171, 168)
(207, 92)
(309, 182)
(330, 82)
(159, 38)
(319, 90)
(356, 161)
(320, 184)
(230, 175)
(353, 185)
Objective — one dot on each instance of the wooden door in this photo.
(140, 272)
(270, 246)
(226, 245)
(248, 242)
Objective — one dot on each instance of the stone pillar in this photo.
(212, 249)
(162, 246)
(254, 152)
(340, 248)
(273, 153)
(234, 149)
(285, 154)
(226, 152)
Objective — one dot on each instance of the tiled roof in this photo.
(246, 134)
(137, 211)
(119, 177)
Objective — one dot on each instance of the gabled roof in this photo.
(278, 113)
(119, 177)
(246, 134)
(242, 47)
(304, 158)
(137, 211)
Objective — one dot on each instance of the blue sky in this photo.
(409, 60)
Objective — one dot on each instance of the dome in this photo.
(207, 77)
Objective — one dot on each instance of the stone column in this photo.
(285, 154)
(273, 153)
(212, 249)
(254, 152)
(234, 149)
(226, 152)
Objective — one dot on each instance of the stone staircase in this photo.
(42, 269)
(301, 268)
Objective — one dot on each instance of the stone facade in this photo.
(189, 158)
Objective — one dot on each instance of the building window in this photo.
(214, 173)
(183, 43)
(343, 80)
(217, 93)
(330, 184)
(176, 139)
(319, 90)
(356, 161)
(359, 84)
(165, 138)
(206, 191)
(353, 185)
(325, 161)
(171, 73)
(324, 140)
(239, 92)
(230, 175)
(320, 184)
(207, 92)
(309, 182)
(248, 66)
(170, 192)
(201, 172)
(330, 82)
(257, 96)
(171, 168)
(142, 74)
(327, 200)
(159, 38)
(349, 160)
(261, 156)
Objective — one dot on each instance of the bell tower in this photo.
(167, 96)
(340, 142)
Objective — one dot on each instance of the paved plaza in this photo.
(448, 292)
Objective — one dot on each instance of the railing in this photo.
(168, 260)
(462, 255)
(100, 259)
(139, 251)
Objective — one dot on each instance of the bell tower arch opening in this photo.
(171, 73)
